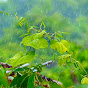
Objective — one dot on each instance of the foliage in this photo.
(30, 76)
(84, 80)
(58, 16)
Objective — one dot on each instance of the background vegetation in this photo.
(67, 17)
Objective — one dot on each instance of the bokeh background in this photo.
(70, 16)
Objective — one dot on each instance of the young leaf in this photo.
(7, 13)
(15, 13)
(36, 41)
(76, 64)
(38, 35)
(59, 35)
(44, 24)
(65, 32)
(65, 43)
(61, 47)
(20, 58)
(63, 59)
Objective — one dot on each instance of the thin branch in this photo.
(47, 63)
(51, 80)
(81, 66)
(5, 65)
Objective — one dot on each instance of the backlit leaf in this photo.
(61, 47)
(21, 58)
(84, 80)
(63, 59)
(36, 41)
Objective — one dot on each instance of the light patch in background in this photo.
(3, 0)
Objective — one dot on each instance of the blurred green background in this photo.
(69, 16)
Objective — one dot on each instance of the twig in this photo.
(80, 65)
(5, 65)
(51, 80)
(47, 63)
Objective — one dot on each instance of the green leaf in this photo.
(7, 13)
(84, 80)
(53, 85)
(24, 82)
(39, 43)
(65, 43)
(65, 32)
(59, 35)
(21, 58)
(3, 78)
(21, 21)
(38, 35)
(25, 34)
(31, 81)
(40, 78)
(48, 36)
(18, 69)
(53, 44)
(76, 64)
(63, 59)
(36, 41)
(43, 24)
(18, 80)
(61, 47)
(16, 13)
(1, 12)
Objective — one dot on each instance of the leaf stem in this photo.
(81, 66)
